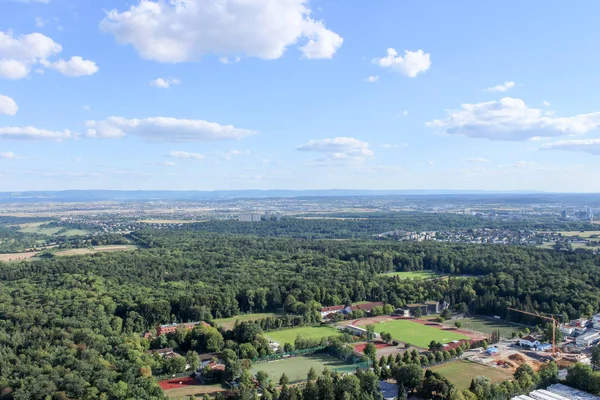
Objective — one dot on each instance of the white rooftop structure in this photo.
(557, 392)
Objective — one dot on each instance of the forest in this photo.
(70, 327)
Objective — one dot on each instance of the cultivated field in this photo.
(583, 234)
(296, 368)
(412, 274)
(96, 249)
(486, 326)
(228, 323)
(417, 334)
(460, 373)
(18, 256)
(188, 388)
(311, 332)
(36, 228)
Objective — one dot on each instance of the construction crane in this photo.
(554, 323)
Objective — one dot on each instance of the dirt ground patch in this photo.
(383, 349)
(18, 256)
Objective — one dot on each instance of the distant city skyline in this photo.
(299, 94)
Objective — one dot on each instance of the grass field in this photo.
(412, 274)
(487, 326)
(227, 323)
(167, 221)
(584, 234)
(310, 332)
(461, 372)
(415, 333)
(185, 392)
(36, 228)
(296, 368)
(96, 249)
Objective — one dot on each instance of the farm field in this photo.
(96, 249)
(188, 388)
(36, 228)
(296, 368)
(228, 323)
(411, 274)
(17, 256)
(584, 234)
(486, 326)
(415, 333)
(460, 373)
(310, 332)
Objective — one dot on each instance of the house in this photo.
(325, 311)
(567, 330)
(427, 308)
(171, 328)
(544, 347)
(401, 312)
(367, 306)
(587, 339)
(207, 358)
(528, 341)
(581, 322)
(164, 353)
(433, 307)
(596, 321)
(579, 331)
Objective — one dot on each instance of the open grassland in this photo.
(582, 234)
(460, 373)
(296, 368)
(486, 326)
(412, 274)
(185, 391)
(36, 228)
(310, 332)
(167, 221)
(415, 333)
(96, 249)
(228, 323)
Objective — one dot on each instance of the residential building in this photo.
(251, 217)
(567, 330)
(325, 311)
(596, 321)
(528, 341)
(402, 312)
(587, 339)
(165, 353)
(367, 307)
(170, 328)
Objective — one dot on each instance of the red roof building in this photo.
(170, 328)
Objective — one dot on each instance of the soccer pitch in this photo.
(296, 368)
(309, 332)
(415, 333)
(460, 373)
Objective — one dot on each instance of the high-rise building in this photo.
(563, 214)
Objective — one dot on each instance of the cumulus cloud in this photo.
(372, 79)
(228, 155)
(183, 31)
(169, 164)
(76, 66)
(8, 106)
(590, 146)
(339, 149)
(165, 83)
(165, 129)
(411, 64)
(227, 60)
(476, 160)
(390, 146)
(185, 155)
(501, 88)
(7, 156)
(546, 103)
(511, 119)
(32, 133)
(40, 22)
(87, 108)
(19, 54)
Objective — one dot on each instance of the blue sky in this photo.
(295, 94)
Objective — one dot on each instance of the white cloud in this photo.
(165, 83)
(87, 108)
(165, 129)
(411, 64)
(40, 22)
(546, 103)
(430, 162)
(511, 119)
(591, 146)
(19, 54)
(372, 79)
(8, 106)
(75, 67)
(339, 149)
(32, 133)
(229, 154)
(186, 155)
(7, 156)
(253, 28)
(390, 146)
(476, 160)
(227, 60)
(169, 164)
(501, 88)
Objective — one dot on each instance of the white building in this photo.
(567, 330)
(596, 321)
(587, 339)
(528, 341)
(251, 217)
(357, 330)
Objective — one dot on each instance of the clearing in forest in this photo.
(460, 373)
(412, 274)
(228, 323)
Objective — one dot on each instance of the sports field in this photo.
(228, 323)
(412, 274)
(296, 368)
(460, 373)
(310, 332)
(415, 333)
(486, 326)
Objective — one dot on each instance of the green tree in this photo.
(457, 324)
(548, 374)
(284, 380)
(595, 358)
(370, 351)
(263, 379)
(410, 376)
